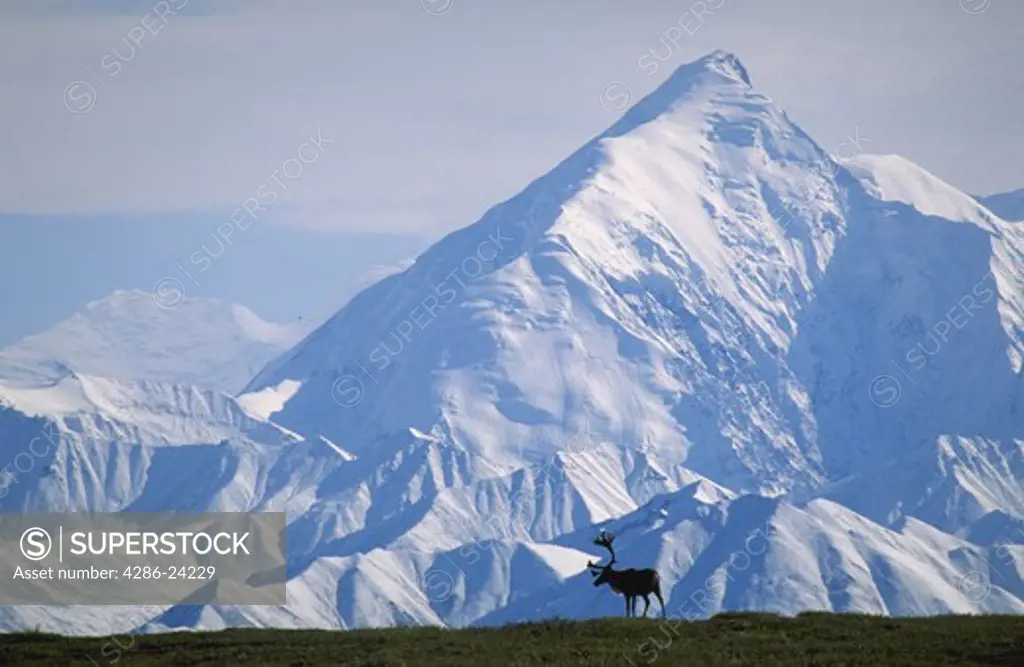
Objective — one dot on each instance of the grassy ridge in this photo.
(728, 639)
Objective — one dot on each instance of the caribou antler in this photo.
(605, 540)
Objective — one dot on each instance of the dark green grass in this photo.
(728, 639)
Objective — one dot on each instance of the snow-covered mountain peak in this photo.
(726, 64)
(131, 335)
(122, 304)
(718, 70)
(602, 293)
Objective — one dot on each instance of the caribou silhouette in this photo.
(629, 583)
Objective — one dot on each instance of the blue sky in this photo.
(128, 138)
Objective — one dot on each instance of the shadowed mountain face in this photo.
(697, 312)
(905, 342)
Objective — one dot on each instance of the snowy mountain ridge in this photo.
(132, 335)
(787, 382)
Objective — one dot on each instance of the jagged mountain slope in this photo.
(759, 553)
(959, 484)
(96, 444)
(408, 500)
(134, 335)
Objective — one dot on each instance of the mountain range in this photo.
(788, 380)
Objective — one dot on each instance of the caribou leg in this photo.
(627, 605)
(647, 604)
